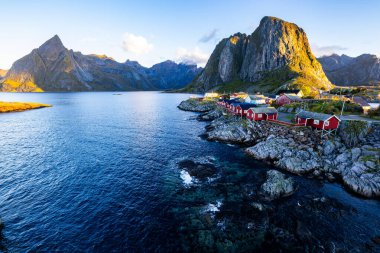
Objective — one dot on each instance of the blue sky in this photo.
(153, 31)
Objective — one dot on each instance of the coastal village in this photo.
(260, 107)
(334, 137)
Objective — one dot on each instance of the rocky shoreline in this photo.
(351, 157)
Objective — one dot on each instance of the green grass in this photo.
(329, 107)
(20, 106)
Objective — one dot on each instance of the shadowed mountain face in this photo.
(276, 55)
(352, 71)
(52, 67)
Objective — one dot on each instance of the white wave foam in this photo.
(213, 208)
(187, 179)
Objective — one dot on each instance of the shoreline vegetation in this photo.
(20, 106)
(351, 157)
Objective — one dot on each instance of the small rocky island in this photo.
(351, 157)
(20, 106)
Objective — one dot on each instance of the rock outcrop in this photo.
(352, 157)
(52, 67)
(277, 185)
(276, 55)
(352, 71)
(196, 105)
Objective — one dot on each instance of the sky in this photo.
(184, 31)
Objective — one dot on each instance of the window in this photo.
(327, 123)
(259, 115)
(316, 122)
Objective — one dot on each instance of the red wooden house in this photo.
(221, 102)
(285, 99)
(242, 109)
(262, 113)
(325, 122)
(233, 107)
(227, 103)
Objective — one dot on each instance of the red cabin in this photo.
(222, 102)
(285, 99)
(242, 108)
(262, 113)
(319, 121)
(233, 107)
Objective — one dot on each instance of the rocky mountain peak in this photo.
(52, 48)
(275, 56)
(52, 67)
(352, 71)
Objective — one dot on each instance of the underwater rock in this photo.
(196, 169)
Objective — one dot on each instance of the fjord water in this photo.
(95, 173)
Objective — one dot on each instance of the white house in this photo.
(255, 99)
(211, 95)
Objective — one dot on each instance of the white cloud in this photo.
(326, 50)
(136, 44)
(208, 37)
(194, 56)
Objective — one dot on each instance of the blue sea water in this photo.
(94, 173)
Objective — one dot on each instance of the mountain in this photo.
(352, 71)
(3, 72)
(275, 56)
(170, 75)
(52, 67)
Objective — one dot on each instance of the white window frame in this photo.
(259, 115)
(316, 122)
(327, 123)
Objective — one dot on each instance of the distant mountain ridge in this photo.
(52, 67)
(344, 70)
(275, 56)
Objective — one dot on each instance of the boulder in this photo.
(277, 185)
(355, 153)
(328, 147)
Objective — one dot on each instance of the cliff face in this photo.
(350, 71)
(276, 55)
(52, 67)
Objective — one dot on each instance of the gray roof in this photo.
(314, 115)
(293, 97)
(267, 110)
(361, 101)
(256, 97)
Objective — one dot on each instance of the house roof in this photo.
(232, 100)
(288, 91)
(293, 97)
(246, 106)
(256, 97)
(315, 115)
(361, 101)
(236, 103)
(268, 110)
